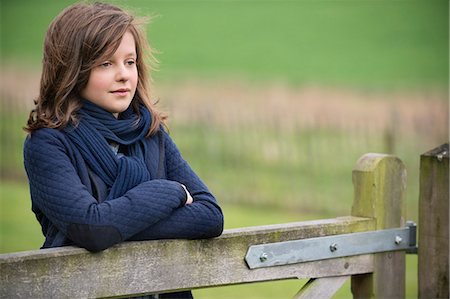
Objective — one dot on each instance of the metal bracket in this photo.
(314, 249)
(412, 237)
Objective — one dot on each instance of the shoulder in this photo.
(161, 139)
(44, 136)
(172, 153)
(45, 140)
(165, 138)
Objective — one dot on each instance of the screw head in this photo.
(333, 247)
(398, 240)
(441, 156)
(263, 257)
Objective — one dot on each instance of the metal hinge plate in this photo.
(320, 248)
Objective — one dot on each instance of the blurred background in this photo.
(271, 102)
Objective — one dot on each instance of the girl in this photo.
(101, 168)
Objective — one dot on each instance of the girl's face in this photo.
(113, 82)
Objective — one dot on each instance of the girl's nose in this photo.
(122, 73)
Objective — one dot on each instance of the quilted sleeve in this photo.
(57, 191)
(201, 219)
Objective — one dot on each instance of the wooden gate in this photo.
(151, 267)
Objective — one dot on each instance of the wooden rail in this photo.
(148, 267)
(167, 265)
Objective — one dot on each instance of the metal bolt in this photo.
(333, 247)
(398, 240)
(441, 156)
(263, 257)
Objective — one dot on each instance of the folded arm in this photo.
(201, 219)
(57, 191)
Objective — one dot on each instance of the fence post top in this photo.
(370, 161)
(441, 151)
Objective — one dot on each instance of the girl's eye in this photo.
(131, 62)
(105, 64)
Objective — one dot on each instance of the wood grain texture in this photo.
(379, 186)
(322, 288)
(147, 267)
(433, 268)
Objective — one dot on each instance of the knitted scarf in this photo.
(93, 134)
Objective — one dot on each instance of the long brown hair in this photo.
(78, 38)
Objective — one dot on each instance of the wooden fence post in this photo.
(379, 186)
(433, 272)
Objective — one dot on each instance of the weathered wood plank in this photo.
(167, 265)
(433, 222)
(379, 185)
(323, 288)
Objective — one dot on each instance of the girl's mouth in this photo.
(121, 92)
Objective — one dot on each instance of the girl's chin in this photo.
(119, 108)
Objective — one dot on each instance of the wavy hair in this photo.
(78, 39)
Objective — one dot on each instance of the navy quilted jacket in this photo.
(67, 197)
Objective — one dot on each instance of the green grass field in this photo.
(371, 44)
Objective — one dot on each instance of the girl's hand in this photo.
(189, 198)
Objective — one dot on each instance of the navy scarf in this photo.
(93, 134)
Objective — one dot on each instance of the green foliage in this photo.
(19, 229)
(11, 141)
(306, 170)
